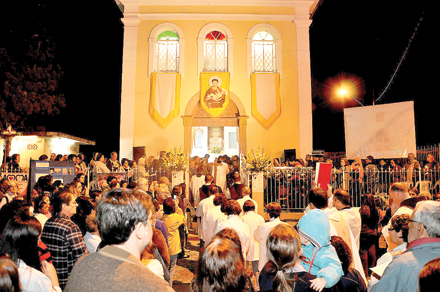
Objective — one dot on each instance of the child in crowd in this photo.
(319, 256)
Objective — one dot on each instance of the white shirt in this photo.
(195, 185)
(353, 218)
(260, 235)
(402, 210)
(222, 171)
(209, 224)
(155, 266)
(339, 227)
(100, 167)
(383, 262)
(220, 219)
(92, 241)
(32, 280)
(202, 208)
(41, 218)
(253, 220)
(242, 229)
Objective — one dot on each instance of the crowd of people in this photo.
(333, 247)
(132, 233)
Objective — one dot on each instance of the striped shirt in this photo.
(65, 243)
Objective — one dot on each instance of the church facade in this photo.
(216, 77)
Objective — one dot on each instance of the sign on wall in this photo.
(22, 179)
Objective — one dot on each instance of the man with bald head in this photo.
(246, 195)
(401, 203)
(204, 190)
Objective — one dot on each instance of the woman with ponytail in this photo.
(284, 272)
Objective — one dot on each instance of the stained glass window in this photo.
(167, 52)
(215, 52)
(263, 53)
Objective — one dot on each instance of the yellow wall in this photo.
(283, 134)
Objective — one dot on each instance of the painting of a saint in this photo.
(215, 96)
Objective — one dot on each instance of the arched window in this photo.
(215, 52)
(166, 59)
(263, 53)
(166, 49)
(264, 49)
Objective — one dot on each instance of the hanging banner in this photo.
(391, 131)
(214, 92)
(164, 98)
(266, 102)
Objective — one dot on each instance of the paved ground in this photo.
(186, 268)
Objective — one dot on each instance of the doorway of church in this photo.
(215, 141)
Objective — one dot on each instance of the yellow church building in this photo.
(216, 77)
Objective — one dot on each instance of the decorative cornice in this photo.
(213, 16)
(271, 3)
(302, 7)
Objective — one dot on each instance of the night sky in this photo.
(361, 39)
(365, 40)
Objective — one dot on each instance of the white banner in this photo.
(382, 131)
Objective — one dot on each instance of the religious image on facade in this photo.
(215, 92)
(215, 96)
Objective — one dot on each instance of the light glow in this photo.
(343, 90)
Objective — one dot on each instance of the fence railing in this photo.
(151, 174)
(421, 155)
(290, 186)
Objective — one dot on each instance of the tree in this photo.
(30, 83)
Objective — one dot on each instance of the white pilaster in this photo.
(131, 21)
(302, 22)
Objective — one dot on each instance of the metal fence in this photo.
(421, 155)
(150, 174)
(290, 186)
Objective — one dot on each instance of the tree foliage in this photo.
(30, 83)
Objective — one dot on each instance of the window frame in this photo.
(216, 43)
(278, 46)
(153, 39)
(201, 43)
(263, 43)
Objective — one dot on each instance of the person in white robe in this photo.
(262, 232)
(211, 217)
(247, 196)
(197, 181)
(222, 171)
(202, 208)
(342, 203)
(234, 221)
(253, 220)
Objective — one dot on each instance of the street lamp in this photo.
(343, 92)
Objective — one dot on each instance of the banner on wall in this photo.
(265, 98)
(164, 98)
(214, 92)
